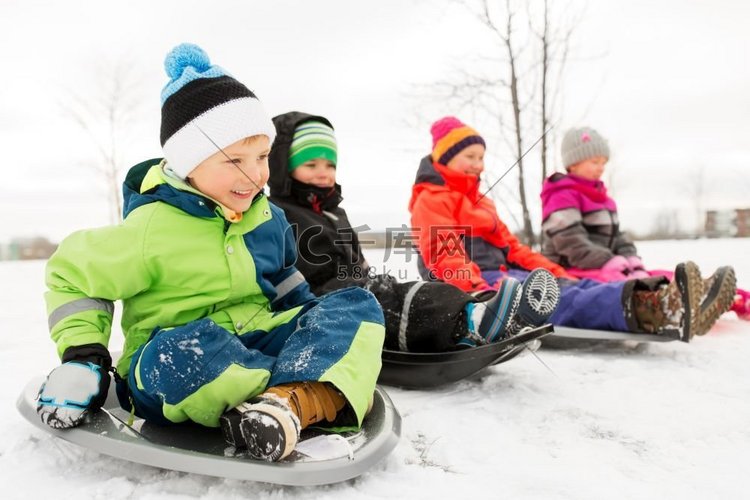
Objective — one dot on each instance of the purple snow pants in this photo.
(583, 304)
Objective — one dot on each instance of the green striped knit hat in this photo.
(312, 140)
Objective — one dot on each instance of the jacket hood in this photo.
(147, 182)
(432, 176)
(279, 182)
(593, 189)
(561, 191)
(427, 173)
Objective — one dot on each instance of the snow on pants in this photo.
(421, 316)
(198, 371)
(583, 303)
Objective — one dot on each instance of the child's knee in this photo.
(175, 362)
(194, 372)
(355, 299)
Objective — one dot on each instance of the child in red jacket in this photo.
(462, 241)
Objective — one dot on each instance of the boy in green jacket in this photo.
(220, 327)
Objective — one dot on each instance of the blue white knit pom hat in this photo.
(203, 109)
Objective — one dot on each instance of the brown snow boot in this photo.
(719, 290)
(312, 402)
(672, 309)
(269, 425)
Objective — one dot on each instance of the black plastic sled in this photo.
(414, 370)
(565, 337)
(317, 459)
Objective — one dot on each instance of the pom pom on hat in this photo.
(449, 136)
(185, 63)
(183, 56)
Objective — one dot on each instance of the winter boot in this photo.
(488, 321)
(514, 308)
(540, 298)
(741, 304)
(719, 290)
(671, 309)
(269, 425)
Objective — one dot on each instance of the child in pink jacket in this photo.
(582, 231)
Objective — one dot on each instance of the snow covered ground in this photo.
(624, 421)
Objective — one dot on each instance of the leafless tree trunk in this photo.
(545, 70)
(696, 185)
(105, 116)
(666, 225)
(528, 231)
(554, 48)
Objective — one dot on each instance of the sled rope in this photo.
(131, 418)
(124, 424)
(539, 359)
(349, 448)
(528, 150)
(260, 190)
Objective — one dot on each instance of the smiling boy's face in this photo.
(221, 178)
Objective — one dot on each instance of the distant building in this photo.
(728, 223)
(28, 249)
(743, 222)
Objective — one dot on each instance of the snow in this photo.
(622, 421)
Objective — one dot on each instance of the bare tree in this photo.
(666, 226)
(696, 186)
(504, 29)
(510, 86)
(106, 116)
(554, 46)
(544, 38)
(528, 231)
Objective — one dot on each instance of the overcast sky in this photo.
(666, 82)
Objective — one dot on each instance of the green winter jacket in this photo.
(174, 259)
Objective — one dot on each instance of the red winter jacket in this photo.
(459, 233)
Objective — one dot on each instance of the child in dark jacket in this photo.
(419, 316)
(462, 241)
(220, 328)
(581, 225)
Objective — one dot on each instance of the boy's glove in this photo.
(615, 269)
(76, 387)
(71, 391)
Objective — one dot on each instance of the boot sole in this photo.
(540, 297)
(269, 432)
(718, 299)
(690, 284)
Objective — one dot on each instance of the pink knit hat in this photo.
(450, 136)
